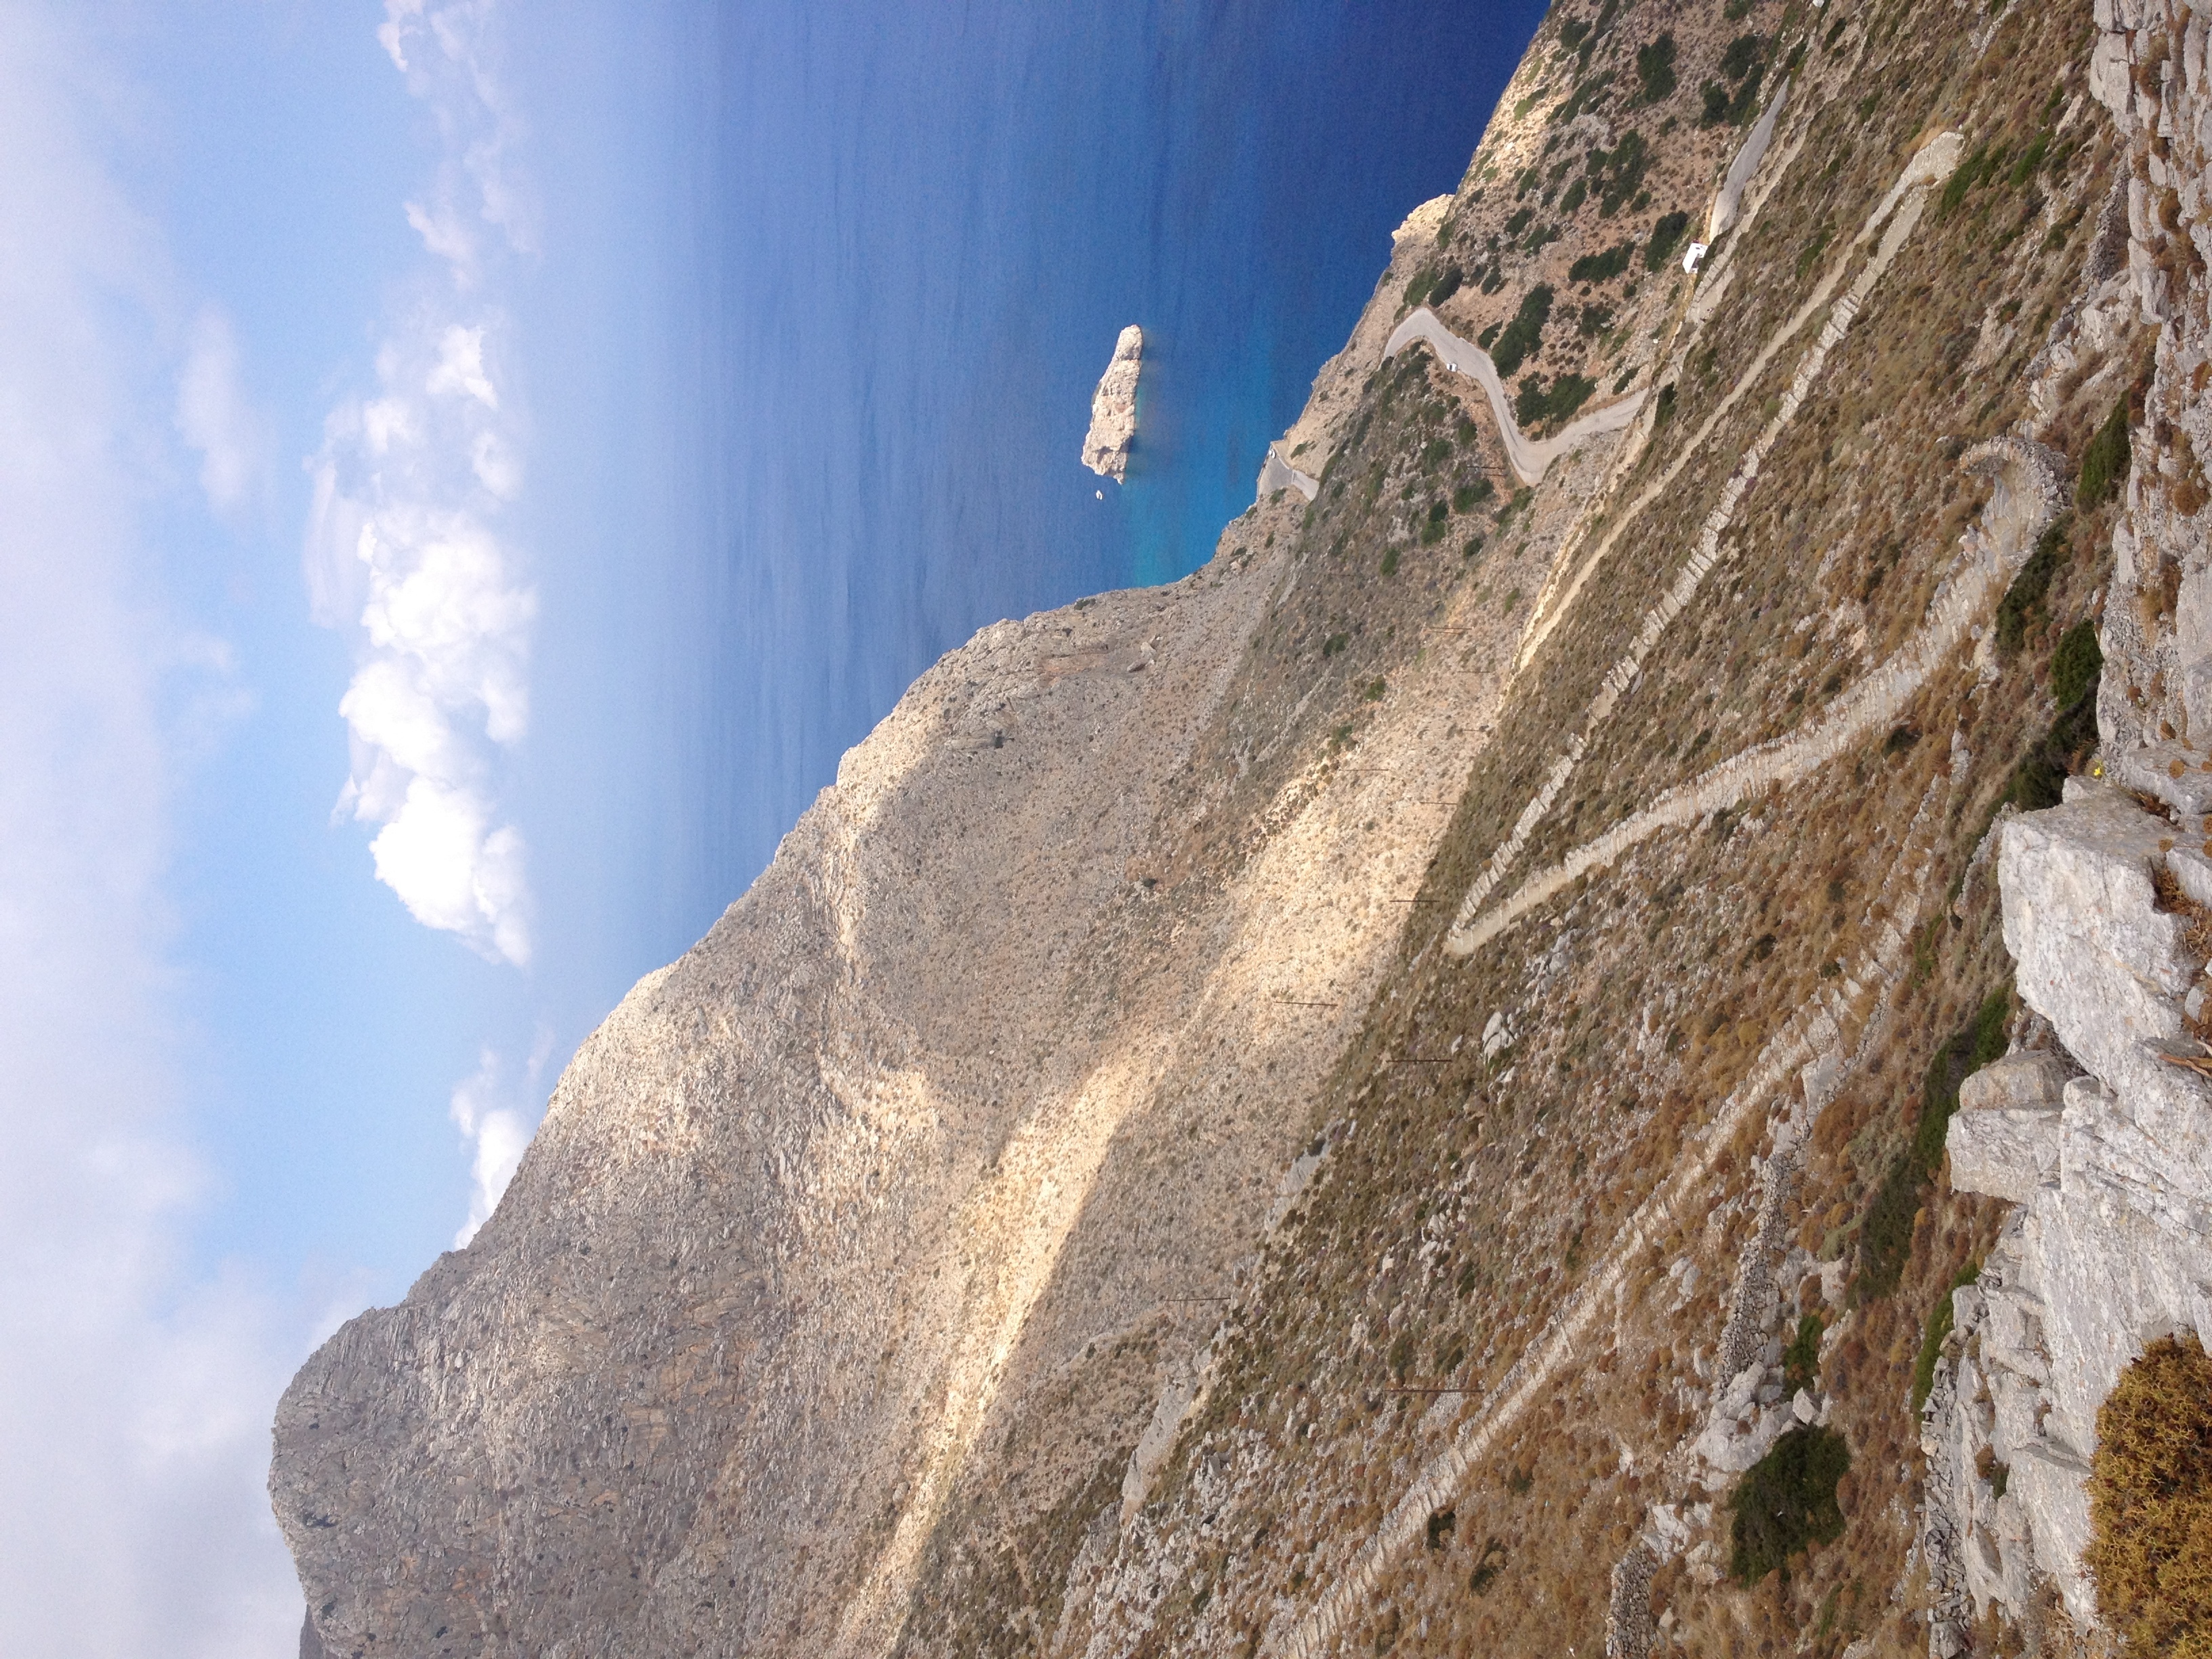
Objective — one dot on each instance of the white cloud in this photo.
(214, 417)
(444, 235)
(461, 367)
(401, 18)
(453, 868)
(497, 1129)
(133, 1519)
(404, 542)
(449, 53)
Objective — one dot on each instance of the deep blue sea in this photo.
(901, 243)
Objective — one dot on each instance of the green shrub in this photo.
(1620, 172)
(2031, 159)
(1977, 168)
(1585, 96)
(1654, 68)
(1787, 1502)
(1528, 402)
(1604, 21)
(1601, 267)
(1569, 393)
(2105, 462)
(1666, 236)
(1812, 251)
(1472, 495)
(1990, 1033)
(1595, 320)
(2039, 780)
(1745, 104)
(1978, 1043)
(1489, 1564)
(1335, 643)
(1390, 562)
(1885, 1236)
(2151, 1503)
(2028, 588)
(1939, 1319)
(1800, 1361)
(1520, 338)
(1534, 402)
(2076, 665)
(1578, 193)
(1743, 54)
(1716, 104)
(1447, 284)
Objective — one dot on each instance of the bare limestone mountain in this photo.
(1611, 1065)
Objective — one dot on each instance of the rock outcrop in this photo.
(1114, 409)
(2110, 1246)
(2105, 1144)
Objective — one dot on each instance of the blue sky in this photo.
(466, 470)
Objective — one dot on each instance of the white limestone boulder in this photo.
(2171, 772)
(2094, 954)
(2006, 1152)
(2031, 1082)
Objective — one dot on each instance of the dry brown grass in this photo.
(1517, 1188)
(2150, 1503)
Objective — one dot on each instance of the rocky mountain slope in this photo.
(1440, 1085)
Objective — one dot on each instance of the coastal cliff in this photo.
(1441, 1084)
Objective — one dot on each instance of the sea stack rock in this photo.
(1114, 409)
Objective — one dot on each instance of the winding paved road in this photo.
(1821, 1029)
(1276, 473)
(1901, 210)
(1528, 457)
